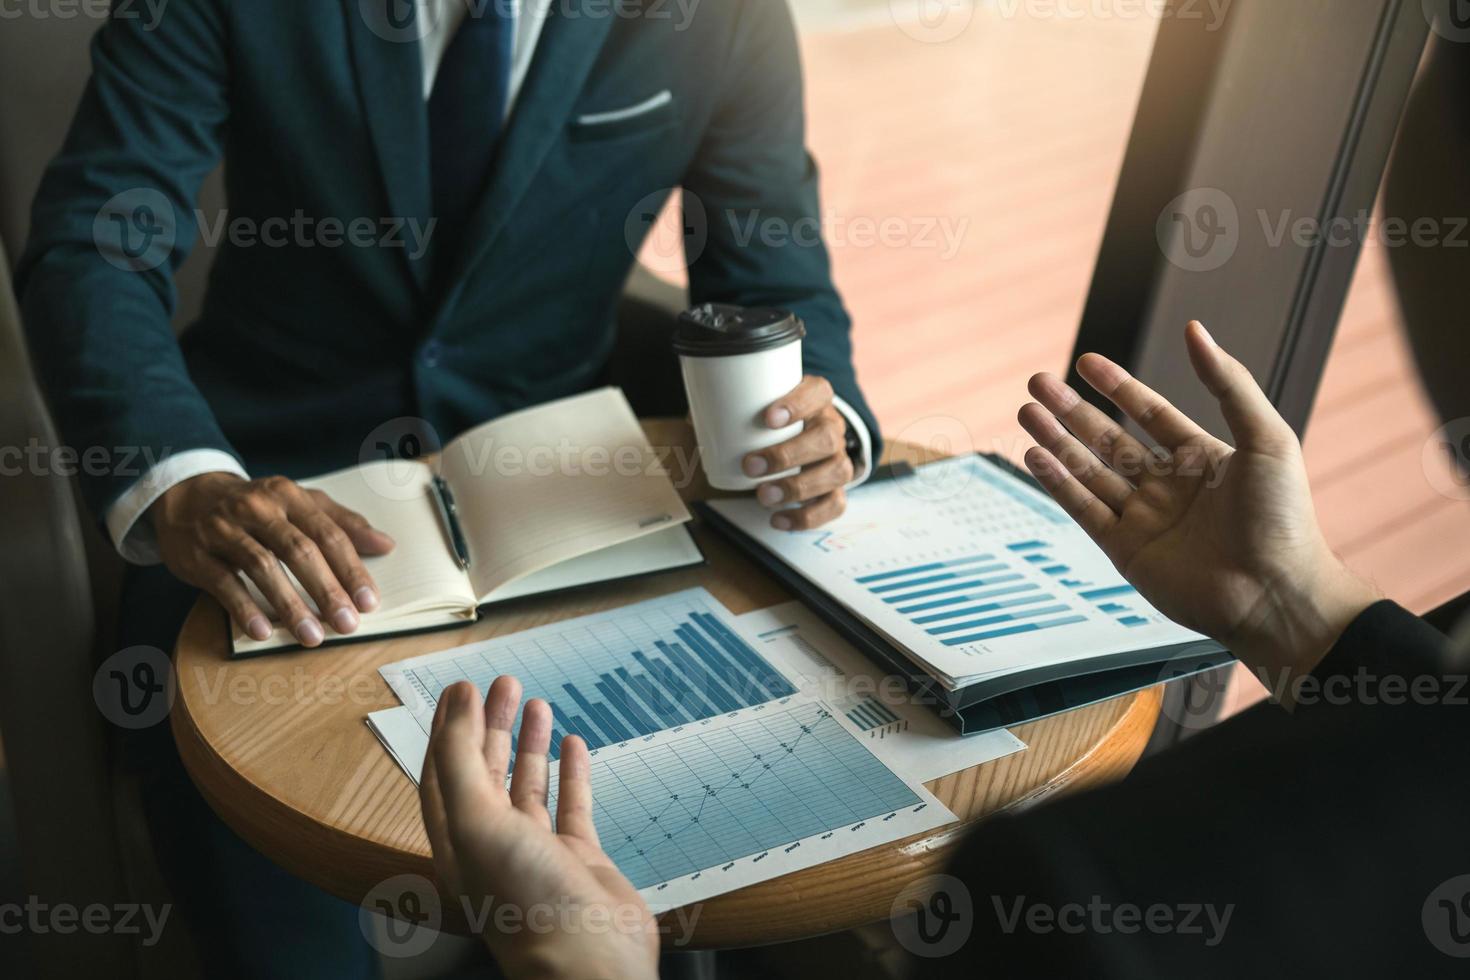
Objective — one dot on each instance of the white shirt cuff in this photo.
(127, 523)
(864, 465)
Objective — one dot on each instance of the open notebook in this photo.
(547, 498)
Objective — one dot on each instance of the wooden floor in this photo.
(1010, 136)
(1015, 131)
(1013, 134)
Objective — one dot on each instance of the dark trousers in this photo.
(248, 917)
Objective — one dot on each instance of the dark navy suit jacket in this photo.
(305, 346)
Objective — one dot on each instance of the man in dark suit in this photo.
(433, 209)
(1324, 842)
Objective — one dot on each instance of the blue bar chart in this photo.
(617, 676)
(1104, 598)
(870, 713)
(973, 598)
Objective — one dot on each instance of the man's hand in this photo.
(216, 525)
(494, 845)
(820, 450)
(1223, 541)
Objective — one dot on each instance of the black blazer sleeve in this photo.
(1387, 639)
(754, 184)
(1275, 844)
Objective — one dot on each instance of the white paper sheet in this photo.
(915, 742)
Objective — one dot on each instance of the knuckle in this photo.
(298, 549)
(330, 535)
(834, 431)
(221, 584)
(217, 527)
(260, 564)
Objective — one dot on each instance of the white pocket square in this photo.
(618, 115)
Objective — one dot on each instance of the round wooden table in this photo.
(280, 748)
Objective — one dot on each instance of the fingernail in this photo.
(366, 599)
(756, 465)
(309, 632)
(344, 620)
(770, 495)
(1206, 334)
(781, 523)
(780, 417)
(259, 628)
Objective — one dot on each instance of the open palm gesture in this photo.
(575, 914)
(1221, 540)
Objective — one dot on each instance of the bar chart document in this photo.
(711, 768)
(610, 677)
(970, 570)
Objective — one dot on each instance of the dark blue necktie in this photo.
(466, 109)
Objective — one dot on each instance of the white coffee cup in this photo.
(736, 362)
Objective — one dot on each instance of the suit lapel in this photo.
(570, 41)
(389, 69)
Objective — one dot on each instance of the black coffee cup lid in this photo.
(720, 330)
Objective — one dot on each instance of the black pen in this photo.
(449, 513)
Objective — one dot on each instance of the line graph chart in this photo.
(697, 804)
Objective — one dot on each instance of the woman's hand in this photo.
(1224, 541)
(580, 917)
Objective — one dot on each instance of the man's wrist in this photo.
(1305, 616)
(128, 522)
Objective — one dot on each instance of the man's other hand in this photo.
(215, 526)
(820, 450)
(1222, 540)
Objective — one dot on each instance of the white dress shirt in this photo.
(127, 525)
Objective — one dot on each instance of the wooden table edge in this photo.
(306, 846)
